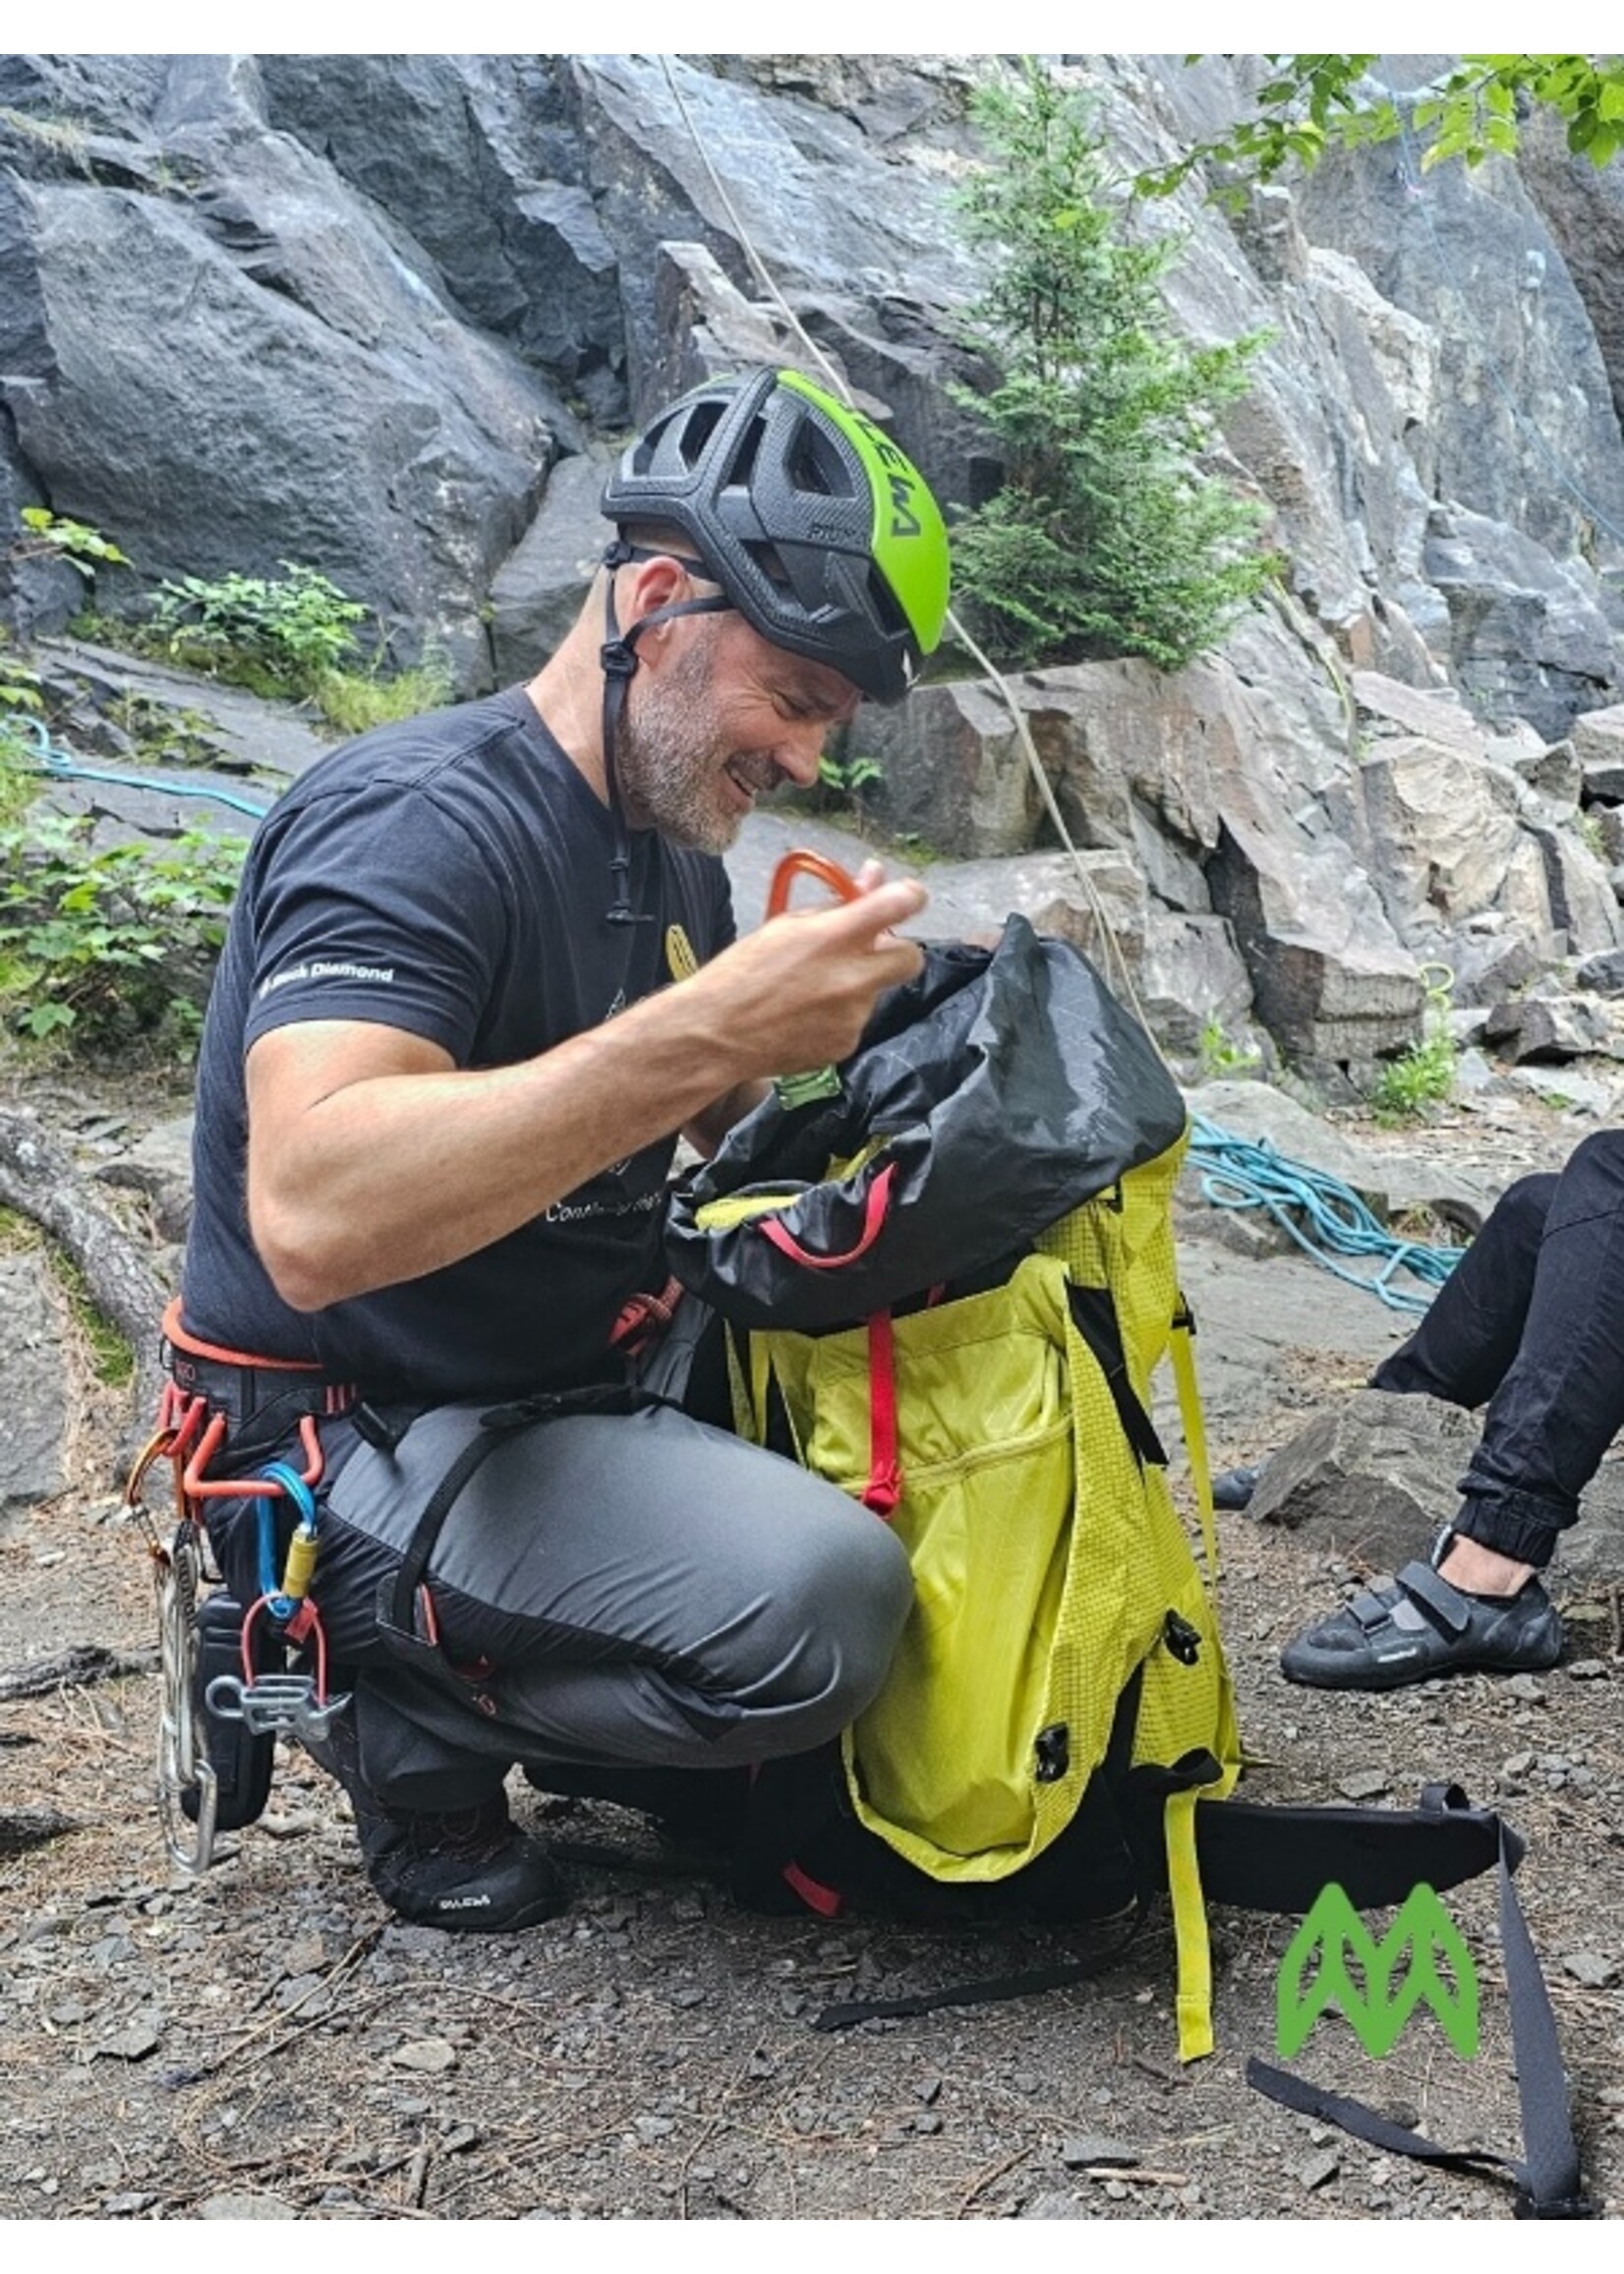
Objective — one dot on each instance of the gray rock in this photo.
(1374, 1478)
(1318, 2170)
(1542, 1030)
(1052, 2204)
(1263, 1115)
(1365, 1784)
(1579, 1093)
(1555, 773)
(1590, 1670)
(37, 1409)
(705, 327)
(1523, 340)
(312, 337)
(478, 158)
(1444, 827)
(1599, 744)
(1591, 1968)
(427, 2056)
(536, 593)
(1434, 716)
(239, 2205)
(1082, 2149)
(1529, 636)
(160, 1164)
(139, 2042)
(1603, 975)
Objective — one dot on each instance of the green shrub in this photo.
(1425, 1073)
(277, 635)
(48, 536)
(1107, 538)
(108, 950)
(1217, 1055)
(354, 701)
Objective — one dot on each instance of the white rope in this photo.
(1113, 950)
(747, 243)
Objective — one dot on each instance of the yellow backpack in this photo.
(1061, 1635)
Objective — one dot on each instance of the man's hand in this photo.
(798, 992)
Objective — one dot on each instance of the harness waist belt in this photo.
(241, 1385)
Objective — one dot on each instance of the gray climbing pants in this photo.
(629, 1589)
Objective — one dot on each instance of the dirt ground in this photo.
(264, 2043)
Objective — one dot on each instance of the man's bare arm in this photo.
(371, 1160)
(706, 1130)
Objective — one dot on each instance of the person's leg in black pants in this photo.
(1531, 1323)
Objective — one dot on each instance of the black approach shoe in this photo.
(472, 1872)
(1420, 1626)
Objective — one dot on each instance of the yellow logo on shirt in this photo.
(680, 960)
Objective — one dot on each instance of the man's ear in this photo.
(656, 584)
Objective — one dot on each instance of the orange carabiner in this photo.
(803, 864)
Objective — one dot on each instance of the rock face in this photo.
(230, 361)
(386, 314)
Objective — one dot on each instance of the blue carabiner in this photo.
(281, 1607)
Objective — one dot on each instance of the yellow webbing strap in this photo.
(734, 1208)
(1190, 1928)
(1181, 1346)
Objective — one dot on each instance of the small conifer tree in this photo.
(1107, 536)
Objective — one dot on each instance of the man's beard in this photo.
(669, 762)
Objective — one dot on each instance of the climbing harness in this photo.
(212, 1716)
(1325, 1218)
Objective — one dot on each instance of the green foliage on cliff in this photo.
(1108, 536)
(1311, 103)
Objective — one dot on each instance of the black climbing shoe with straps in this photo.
(1418, 1626)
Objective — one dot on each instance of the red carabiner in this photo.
(803, 864)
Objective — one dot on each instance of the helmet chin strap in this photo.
(618, 657)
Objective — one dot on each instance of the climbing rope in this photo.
(1326, 1218)
(57, 763)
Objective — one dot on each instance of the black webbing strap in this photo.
(502, 1423)
(1095, 1316)
(1032, 1982)
(1547, 2179)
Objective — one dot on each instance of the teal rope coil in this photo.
(58, 764)
(1325, 1218)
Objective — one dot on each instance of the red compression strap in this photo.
(827, 1902)
(874, 1216)
(885, 1478)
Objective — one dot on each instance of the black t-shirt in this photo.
(449, 876)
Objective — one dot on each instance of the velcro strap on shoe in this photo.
(1448, 1607)
(1371, 1609)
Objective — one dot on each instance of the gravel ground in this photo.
(265, 2043)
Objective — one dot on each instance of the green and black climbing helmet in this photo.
(815, 525)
